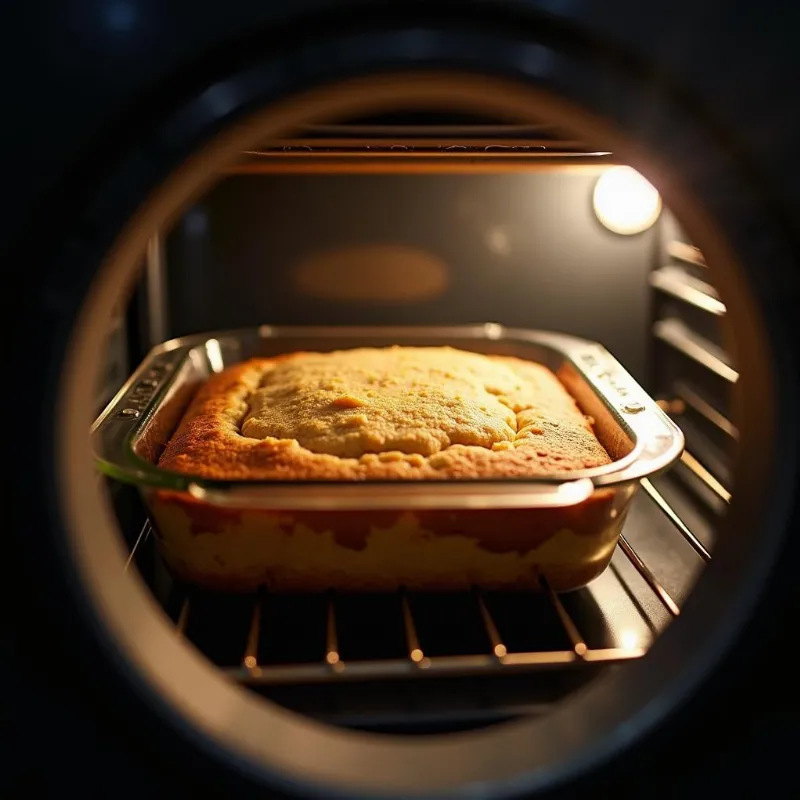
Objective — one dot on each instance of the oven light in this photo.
(625, 202)
(629, 640)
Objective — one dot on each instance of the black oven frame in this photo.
(50, 319)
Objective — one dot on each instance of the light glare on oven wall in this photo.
(625, 202)
(629, 639)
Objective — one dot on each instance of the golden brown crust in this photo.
(546, 433)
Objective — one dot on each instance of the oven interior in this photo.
(419, 219)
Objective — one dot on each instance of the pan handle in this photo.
(129, 412)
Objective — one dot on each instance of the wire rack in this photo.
(324, 654)
(270, 640)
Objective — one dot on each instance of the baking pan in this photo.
(382, 535)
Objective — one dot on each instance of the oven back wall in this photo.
(521, 249)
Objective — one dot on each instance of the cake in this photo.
(370, 413)
(367, 414)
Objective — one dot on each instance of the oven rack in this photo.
(563, 616)
(691, 369)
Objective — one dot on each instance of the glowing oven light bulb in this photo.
(625, 202)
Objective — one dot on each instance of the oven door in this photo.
(708, 707)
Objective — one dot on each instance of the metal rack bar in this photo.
(648, 576)
(678, 336)
(694, 401)
(416, 163)
(687, 253)
(578, 644)
(498, 648)
(415, 652)
(156, 290)
(250, 659)
(183, 618)
(332, 657)
(673, 517)
(437, 666)
(143, 534)
(688, 290)
(699, 471)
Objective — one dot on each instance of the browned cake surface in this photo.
(372, 413)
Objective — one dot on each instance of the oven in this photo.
(532, 180)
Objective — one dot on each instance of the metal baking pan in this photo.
(504, 533)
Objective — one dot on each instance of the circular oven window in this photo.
(472, 657)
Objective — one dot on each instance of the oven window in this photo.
(408, 228)
(421, 472)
